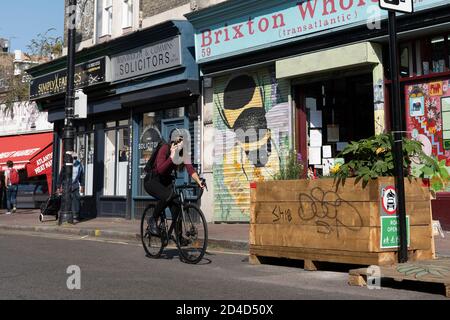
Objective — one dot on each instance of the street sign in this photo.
(390, 234)
(389, 200)
(405, 6)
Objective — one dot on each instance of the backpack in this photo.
(152, 161)
(14, 177)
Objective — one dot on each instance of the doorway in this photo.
(332, 113)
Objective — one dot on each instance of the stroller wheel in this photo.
(41, 217)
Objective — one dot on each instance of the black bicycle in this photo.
(191, 231)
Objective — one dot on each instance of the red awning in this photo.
(22, 149)
(41, 163)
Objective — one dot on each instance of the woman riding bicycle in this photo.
(159, 181)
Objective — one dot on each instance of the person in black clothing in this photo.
(159, 182)
(77, 185)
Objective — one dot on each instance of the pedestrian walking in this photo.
(77, 185)
(12, 184)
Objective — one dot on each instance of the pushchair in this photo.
(51, 207)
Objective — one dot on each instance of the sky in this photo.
(23, 20)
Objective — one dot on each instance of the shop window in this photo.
(151, 132)
(433, 55)
(338, 111)
(404, 61)
(117, 151)
(85, 148)
(448, 51)
(438, 54)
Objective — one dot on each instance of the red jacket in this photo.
(165, 166)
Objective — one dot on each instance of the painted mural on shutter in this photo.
(252, 126)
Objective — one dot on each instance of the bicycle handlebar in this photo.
(193, 186)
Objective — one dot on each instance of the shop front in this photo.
(31, 155)
(310, 74)
(145, 88)
(426, 96)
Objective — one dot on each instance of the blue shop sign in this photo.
(285, 22)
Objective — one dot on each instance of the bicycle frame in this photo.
(178, 196)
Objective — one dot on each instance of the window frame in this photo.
(85, 133)
(117, 128)
(127, 14)
(106, 18)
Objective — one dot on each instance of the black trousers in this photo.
(163, 193)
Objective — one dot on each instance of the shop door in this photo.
(330, 114)
(167, 127)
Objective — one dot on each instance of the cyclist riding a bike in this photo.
(159, 181)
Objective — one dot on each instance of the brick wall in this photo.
(85, 29)
(6, 69)
(153, 7)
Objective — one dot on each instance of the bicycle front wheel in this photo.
(153, 244)
(191, 234)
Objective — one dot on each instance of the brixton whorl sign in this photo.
(86, 74)
(147, 60)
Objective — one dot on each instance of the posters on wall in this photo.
(428, 119)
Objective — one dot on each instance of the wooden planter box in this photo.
(313, 220)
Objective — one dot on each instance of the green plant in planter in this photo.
(373, 157)
(292, 168)
(437, 173)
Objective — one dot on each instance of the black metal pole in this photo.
(66, 215)
(398, 137)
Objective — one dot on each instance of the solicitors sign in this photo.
(286, 22)
(86, 74)
(147, 60)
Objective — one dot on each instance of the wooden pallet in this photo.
(314, 257)
(427, 271)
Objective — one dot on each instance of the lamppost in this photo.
(393, 6)
(66, 215)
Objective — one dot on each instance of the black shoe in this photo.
(152, 227)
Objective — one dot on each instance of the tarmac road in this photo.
(34, 266)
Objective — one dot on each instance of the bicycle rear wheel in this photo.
(191, 234)
(153, 244)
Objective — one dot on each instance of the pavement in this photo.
(233, 237)
(224, 236)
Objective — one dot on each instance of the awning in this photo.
(22, 149)
(41, 163)
(354, 55)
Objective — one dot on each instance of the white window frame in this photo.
(106, 17)
(127, 14)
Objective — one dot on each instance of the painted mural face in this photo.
(250, 112)
(243, 111)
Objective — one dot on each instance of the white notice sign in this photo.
(405, 6)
